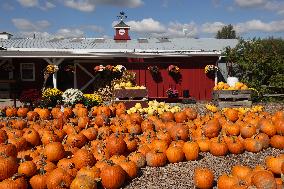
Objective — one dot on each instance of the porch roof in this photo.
(100, 47)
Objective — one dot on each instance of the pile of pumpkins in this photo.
(242, 177)
(154, 108)
(81, 148)
(127, 85)
(226, 86)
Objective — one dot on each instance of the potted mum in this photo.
(172, 93)
(51, 97)
(71, 97)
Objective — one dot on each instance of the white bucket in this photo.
(232, 81)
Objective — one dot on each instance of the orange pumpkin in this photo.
(156, 159)
(203, 178)
(175, 154)
(191, 150)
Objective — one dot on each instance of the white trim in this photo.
(21, 71)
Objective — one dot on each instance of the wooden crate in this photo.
(123, 94)
(232, 98)
(130, 97)
(131, 103)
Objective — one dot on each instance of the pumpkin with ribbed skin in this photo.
(235, 145)
(136, 118)
(101, 120)
(11, 112)
(277, 141)
(266, 126)
(167, 116)
(54, 151)
(22, 112)
(32, 116)
(147, 125)
(279, 126)
(179, 132)
(76, 140)
(19, 124)
(159, 145)
(58, 179)
(130, 168)
(218, 147)
(44, 114)
(252, 145)
(212, 128)
(203, 178)
(83, 122)
(247, 130)
(8, 166)
(32, 137)
(68, 165)
(92, 172)
(28, 168)
(227, 181)
(131, 142)
(241, 171)
(39, 181)
(175, 154)
(232, 114)
(3, 136)
(263, 139)
(156, 159)
(204, 144)
(8, 149)
(83, 182)
(83, 158)
(115, 144)
(180, 117)
(90, 133)
(113, 176)
(191, 150)
(274, 164)
(137, 158)
(190, 113)
(264, 179)
(15, 182)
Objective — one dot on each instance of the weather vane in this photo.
(122, 16)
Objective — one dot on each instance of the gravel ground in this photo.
(180, 175)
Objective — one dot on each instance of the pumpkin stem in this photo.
(41, 170)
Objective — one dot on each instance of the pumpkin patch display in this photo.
(108, 145)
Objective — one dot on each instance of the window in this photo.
(27, 71)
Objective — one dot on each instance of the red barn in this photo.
(23, 61)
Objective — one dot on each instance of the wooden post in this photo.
(54, 80)
(56, 62)
(75, 76)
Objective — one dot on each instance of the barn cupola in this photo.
(121, 29)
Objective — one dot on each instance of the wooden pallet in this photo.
(232, 98)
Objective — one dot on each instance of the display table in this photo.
(130, 97)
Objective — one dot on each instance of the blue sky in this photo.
(147, 18)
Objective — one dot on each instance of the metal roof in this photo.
(121, 24)
(91, 46)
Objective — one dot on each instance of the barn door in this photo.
(84, 77)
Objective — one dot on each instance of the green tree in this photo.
(227, 32)
(259, 63)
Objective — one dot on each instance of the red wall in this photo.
(192, 71)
